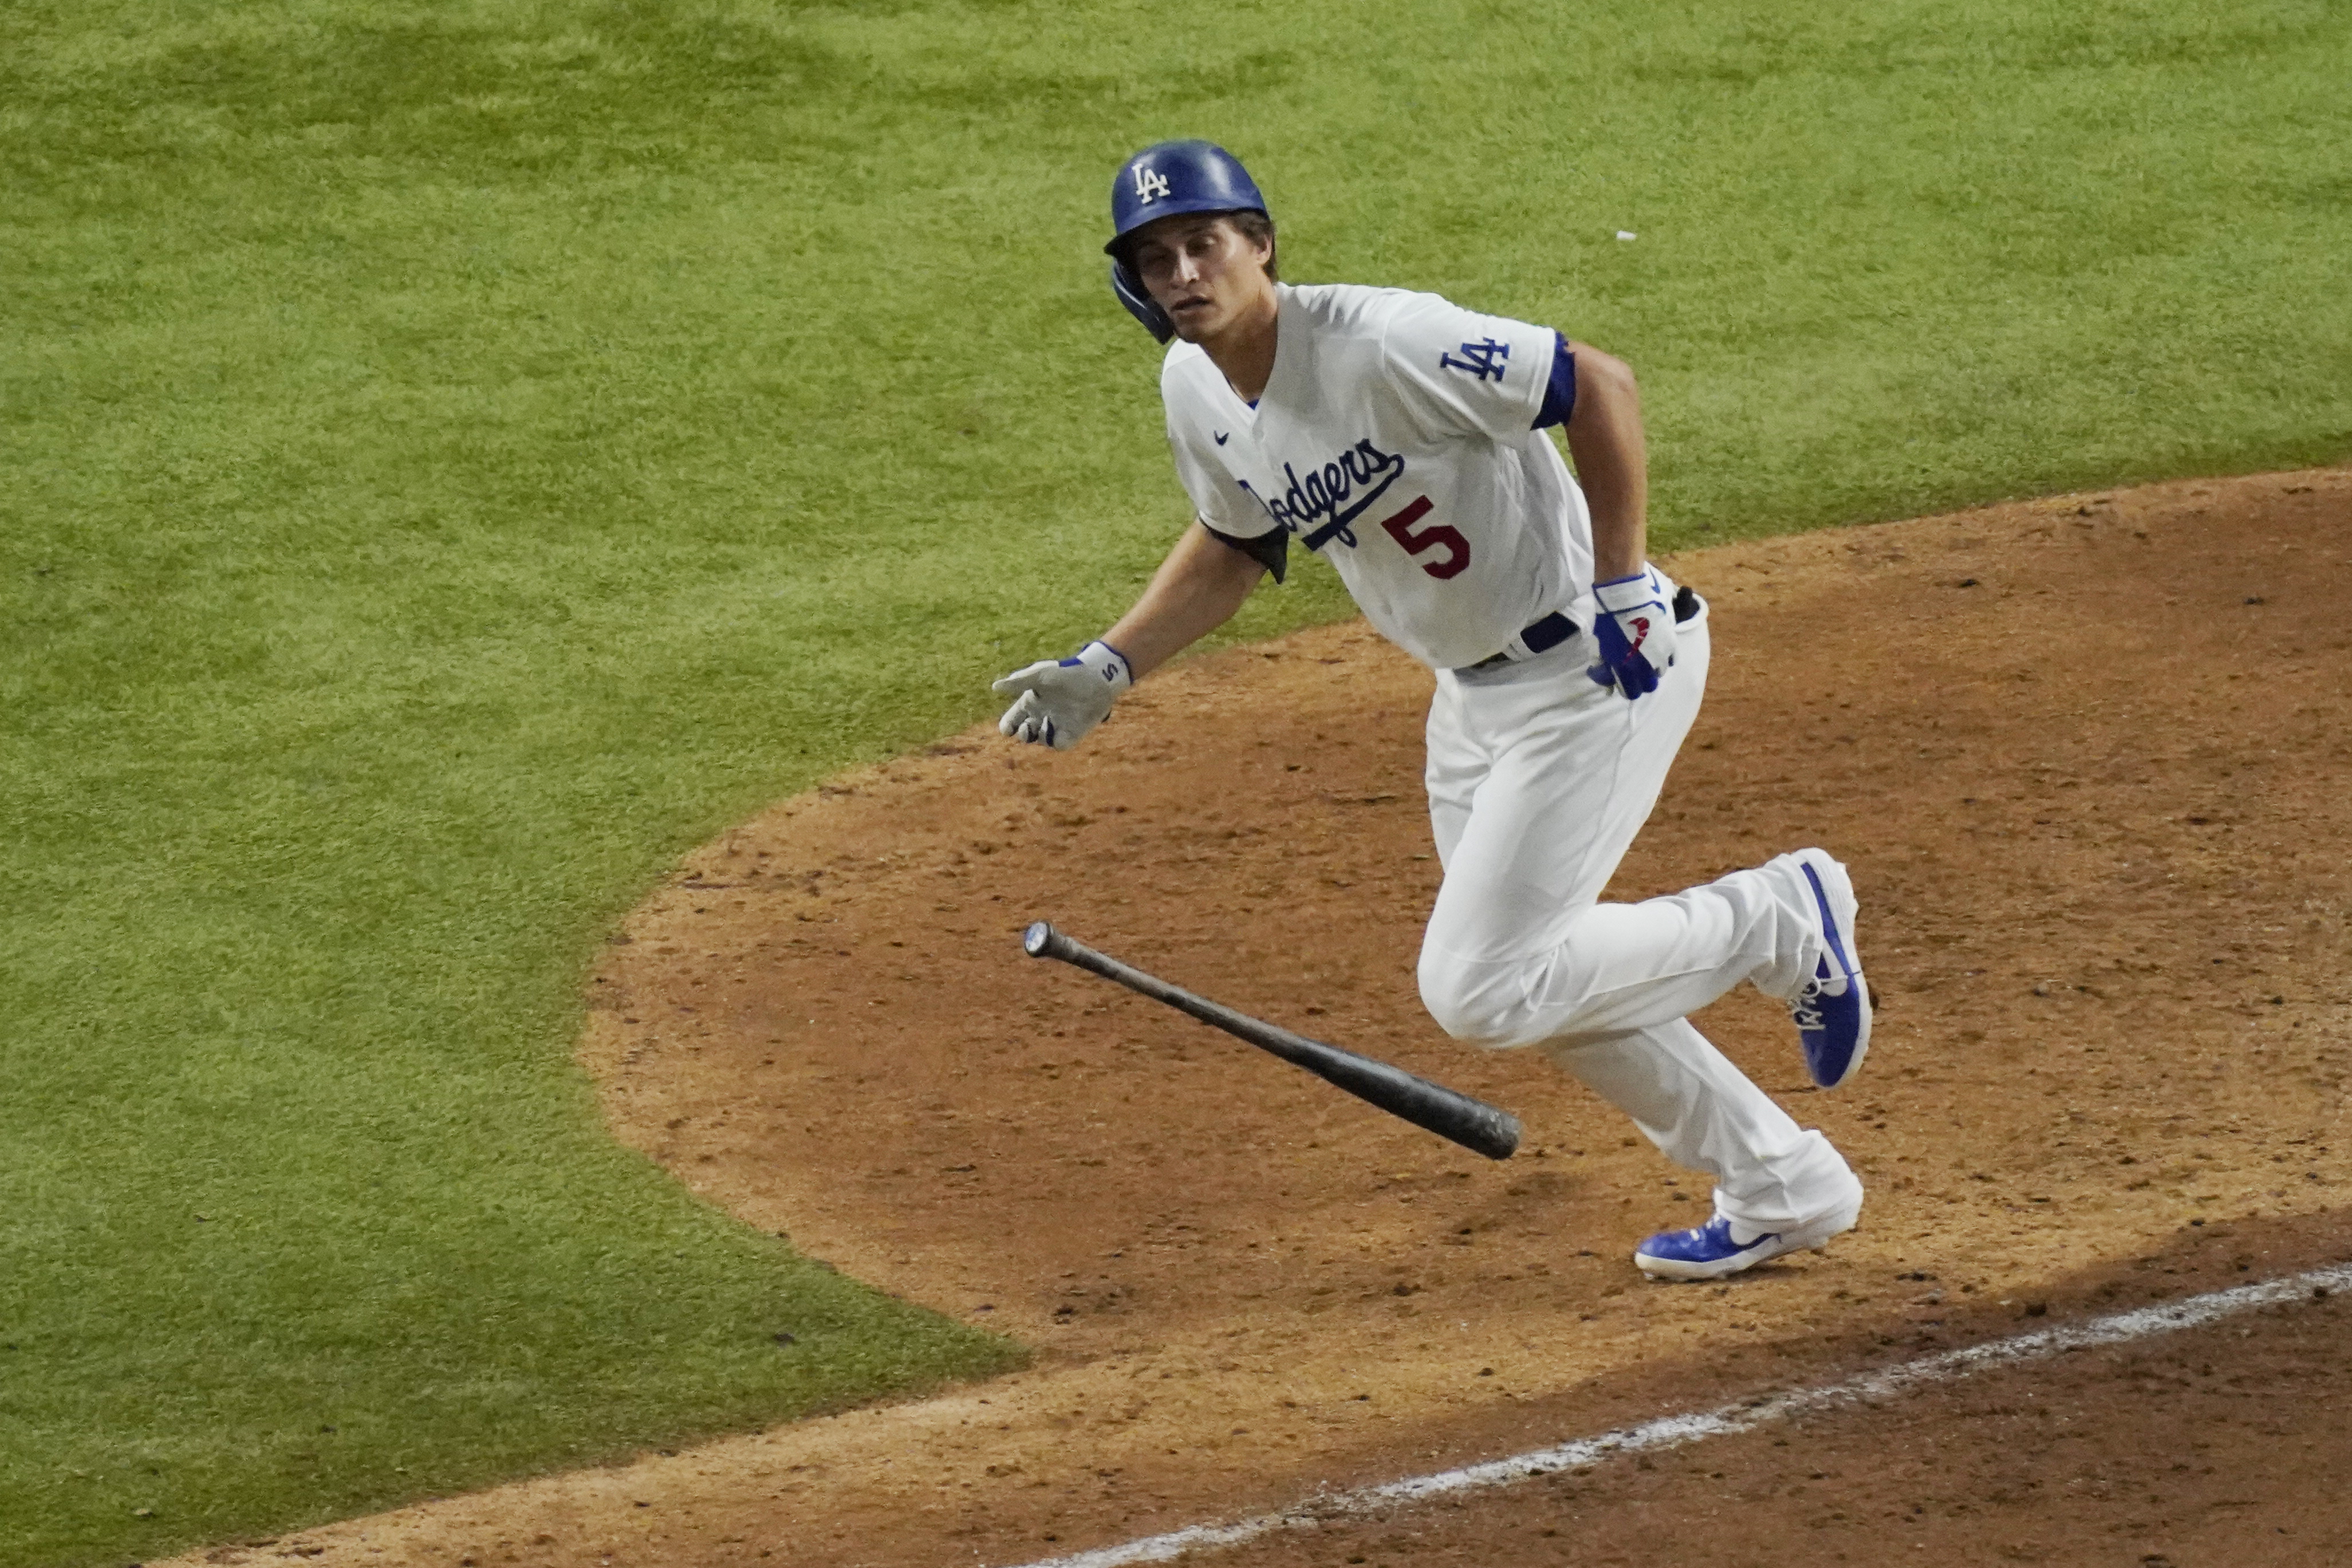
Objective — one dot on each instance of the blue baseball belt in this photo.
(1541, 637)
(1556, 628)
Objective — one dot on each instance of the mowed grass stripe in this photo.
(454, 457)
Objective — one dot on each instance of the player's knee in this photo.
(1466, 1005)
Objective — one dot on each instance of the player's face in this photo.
(1205, 273)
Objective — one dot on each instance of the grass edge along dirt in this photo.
(455, 459)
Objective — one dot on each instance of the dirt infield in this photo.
(2091, 761)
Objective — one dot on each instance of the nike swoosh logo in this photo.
(1222, 437)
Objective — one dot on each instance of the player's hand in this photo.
(1636, 630)
(1059, 701)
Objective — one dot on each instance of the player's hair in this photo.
(1250, 224)
(1258, 229)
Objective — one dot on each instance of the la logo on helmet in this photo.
(1148, 186)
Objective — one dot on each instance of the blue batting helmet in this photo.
(1162, 181)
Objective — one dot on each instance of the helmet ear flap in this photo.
(1129, 287)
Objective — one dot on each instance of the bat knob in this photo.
(1035, 941)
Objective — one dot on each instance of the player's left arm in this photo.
(1458, 371)
(1612, 458)
(1636, 629)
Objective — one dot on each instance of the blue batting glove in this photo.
(1636, 630)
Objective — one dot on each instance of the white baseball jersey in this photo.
(1395, 437)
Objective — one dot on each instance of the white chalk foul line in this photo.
(1674, 1431)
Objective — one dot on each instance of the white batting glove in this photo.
(1636, 630)
(1060, 701)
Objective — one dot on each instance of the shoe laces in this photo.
(1805, 1005)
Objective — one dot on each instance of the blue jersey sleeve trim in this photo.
(1559, 393)
(1270, 550)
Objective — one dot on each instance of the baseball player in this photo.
(1403, 437)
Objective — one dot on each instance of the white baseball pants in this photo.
(1537, 782)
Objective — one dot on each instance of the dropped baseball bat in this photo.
(1473, 1123)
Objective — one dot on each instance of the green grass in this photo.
(454, 457)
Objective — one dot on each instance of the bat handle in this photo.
(1473, 1123)
(1042, 941)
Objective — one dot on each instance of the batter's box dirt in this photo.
(2091, 761)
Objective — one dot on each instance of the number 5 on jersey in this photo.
(1436, 535)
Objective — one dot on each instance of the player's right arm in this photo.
(1232, 543)
(1196, 590)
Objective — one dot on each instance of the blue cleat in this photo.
(1832, 1011)
(1715, 1248)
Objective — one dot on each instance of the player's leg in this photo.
(1539, 781)
(1532, 810)
(1772, 1177)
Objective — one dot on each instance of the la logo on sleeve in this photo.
(1484, 359)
